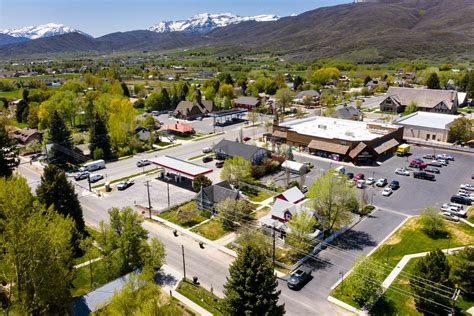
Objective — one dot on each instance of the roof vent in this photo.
(322, 126)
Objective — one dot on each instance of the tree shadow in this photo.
(318, 264)
(354, 240)
(163, 278)
(384, 307)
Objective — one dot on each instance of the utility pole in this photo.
(147, 184)
(342, 282)
(89, 181)
(273, 253)
(184, 262)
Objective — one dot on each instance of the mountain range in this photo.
(366, 32)
(40, 31)
(205, 22)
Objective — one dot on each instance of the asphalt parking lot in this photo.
(413, 194)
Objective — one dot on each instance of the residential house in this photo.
(292, 195)
(83, 152)
(311, 94)
(248, 103)
(142, 133)
(374, 84)
(178, 128)
(429, 100)
(26, 135)
(191, 110)
(210, 196)
(348, 112)
(228, 149)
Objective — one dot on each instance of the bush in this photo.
(98, 154)
(366, 209)
(201, 181)
(139, 104)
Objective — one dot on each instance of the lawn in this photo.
(212, 230)
(410, 239)
(470, 214)
(163, 144)
(173, 215)
(466, 109)
(201, 296)
(255, 195)
(262, 212)
(82, 281)
(11, 94)
(91, 254)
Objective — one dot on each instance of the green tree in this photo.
(433, 81)
(56, 190)
(232, 212)
(297, 83)
(36, 250)
(99, 138)
(284, 97)
(460, 130)
(235, 170)
(301, 225)
(121, 123)
(201, 181)
(366, 285)
(324, 75)
(8, 153)
(411, 108)
(61, 151)
(433, 268)
(334, 199)
(433, 223)
(251, 288)
(125, 90)
(463, 269)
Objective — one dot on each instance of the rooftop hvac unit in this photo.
(349, 133)
(321, 126)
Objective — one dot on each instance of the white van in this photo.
(92, 166)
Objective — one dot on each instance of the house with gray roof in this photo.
(229, 149)
(428, 100)
(348, 112)
(292, 195)
(208, 197)
(248, 103)
(312, 94)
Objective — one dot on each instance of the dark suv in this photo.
(423, 175)
(299, 278)
(461, 200)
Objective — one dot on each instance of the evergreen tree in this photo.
(433, 81)
(297, 83)
(126, 92)
(165, 97)
(99, 138)
(251, 288)
(56, 190)
(8, 153)
(59, 136)
(434, 268)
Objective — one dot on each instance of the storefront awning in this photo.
(329, 147)
(357, 150)
(280, 134)
(387, 145)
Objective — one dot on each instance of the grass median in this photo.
(201, 296)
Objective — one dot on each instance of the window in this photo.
(427, 136)
(433, 137)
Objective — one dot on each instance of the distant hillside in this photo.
(6, 39)
(366, 32)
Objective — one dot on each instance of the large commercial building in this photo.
(427, 126)
(340, 140)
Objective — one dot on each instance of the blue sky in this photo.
(99, 17)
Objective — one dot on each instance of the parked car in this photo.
(455, 205)
(468, 187)
(450, 217)
(359, 176)
(360, 184)
(387, 191)
(206, 150)
(143, 163)
(370, 181)
(219, 164)
(445, 157)
(394, 185)
(402, 171)
(381, 182)
(418, 164)
(423, 175)
(304, 189)
(350, 175)
(466, 194)
(454, 210)
(96, 177)
(125, 184)
(461, 200)
(431, 169)
(246, 139)
(207, 159)
(81, 176)
(435, 163)
(428, 156)
(299, 278)
(442, 162)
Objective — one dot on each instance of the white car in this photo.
(455, 205)
(95, 177)
(370, 181)
(445, 157)
(402, 171)
(387, 191)
(381, 182)
(450, 217)
(454, 211)
(467, 187)
(206, 150)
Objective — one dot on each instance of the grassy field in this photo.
(82, 281)
(212, 230)
(262, 212)
(173, 216)
(255, 195)
(11, 94)
(470, 214)
(201, 296)
(410, 239)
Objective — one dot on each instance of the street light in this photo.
(342, 281)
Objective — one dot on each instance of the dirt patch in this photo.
(411, 224)
(460, 235)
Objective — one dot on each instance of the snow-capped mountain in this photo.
(40, 31)
(205, 22)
